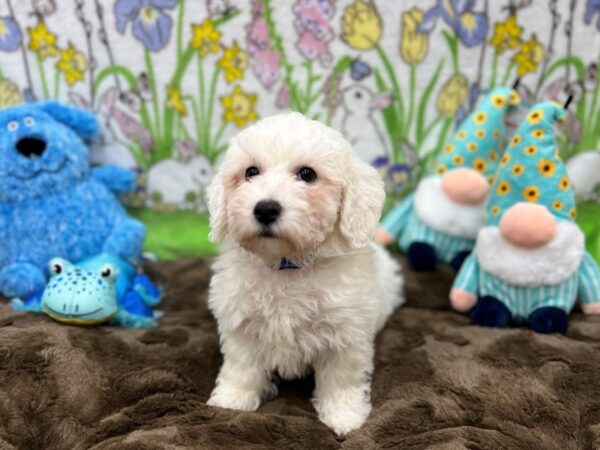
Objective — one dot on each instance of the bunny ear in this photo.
(382, 100)
(362, 201)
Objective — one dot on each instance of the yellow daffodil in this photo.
(239, 107)
(233, 63)
(175, 101)
(413, 45)
(9, 94)
(361, 25)
(42, 41)
(529, 56)
(205, 38)
(507, 35)
(73, 63)
(452, 95)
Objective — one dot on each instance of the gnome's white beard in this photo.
(441, 213)
(549, 264)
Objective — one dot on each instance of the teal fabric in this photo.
(481, 138)
(531, 169)
(403, 223)
(522, 301)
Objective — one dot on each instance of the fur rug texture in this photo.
(439, 383)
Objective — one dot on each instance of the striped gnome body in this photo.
(529, 262)
(440, 220)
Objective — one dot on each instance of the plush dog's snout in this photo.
(31, 146)
(267, 211)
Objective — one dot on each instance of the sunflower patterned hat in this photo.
(531, 169)
(480, 138)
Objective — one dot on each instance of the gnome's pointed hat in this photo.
(531, 169)
(480, 139)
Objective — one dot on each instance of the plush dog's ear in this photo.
(362, 201)
(83, 122)
(216, 208)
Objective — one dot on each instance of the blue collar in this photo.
(287, 264)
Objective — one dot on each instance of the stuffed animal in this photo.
(440, 220)
(100, 289)
(51, 203)
(529, 262)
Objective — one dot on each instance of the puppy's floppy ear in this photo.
(216, 208)
(362, 201)
(84, 123)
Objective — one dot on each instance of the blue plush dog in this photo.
(51, 202)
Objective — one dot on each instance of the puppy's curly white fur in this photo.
(300, 286)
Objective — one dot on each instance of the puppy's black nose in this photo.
(31, 146)
(267, 211)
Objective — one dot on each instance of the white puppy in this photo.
(301, 286)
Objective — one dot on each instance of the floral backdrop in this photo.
(172, 80)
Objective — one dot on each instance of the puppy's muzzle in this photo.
(267, 211)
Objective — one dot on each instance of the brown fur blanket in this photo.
(439, 383)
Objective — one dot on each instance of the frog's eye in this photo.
(109, 272)
(29, 121)
(57, 266)
(13, 125)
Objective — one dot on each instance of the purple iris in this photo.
(10, 34)
(150, 25)
(591, 8)
(470, 26)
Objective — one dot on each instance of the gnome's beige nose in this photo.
(527, 225)
(466, 186)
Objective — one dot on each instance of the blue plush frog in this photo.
(51, 202)
(98, 290)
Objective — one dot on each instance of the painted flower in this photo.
(233, 62)
(175, 101)
(73, 64)
(283, 96)
(471, 27)
(529, 56)
(399, 174)
(507, 34)
(452, 95)
(42, 41)
(150, 24)
(9, 94)
(239, 107)
(205, 38)
(361, 25)
(413, 45)
(10, 34)
(592, 7)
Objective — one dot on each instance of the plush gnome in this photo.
(440, 220)
(529, 262)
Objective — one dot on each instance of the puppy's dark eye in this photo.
(307, 174)
(252, 172)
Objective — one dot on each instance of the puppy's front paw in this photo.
(233, 397)
(344, 412)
